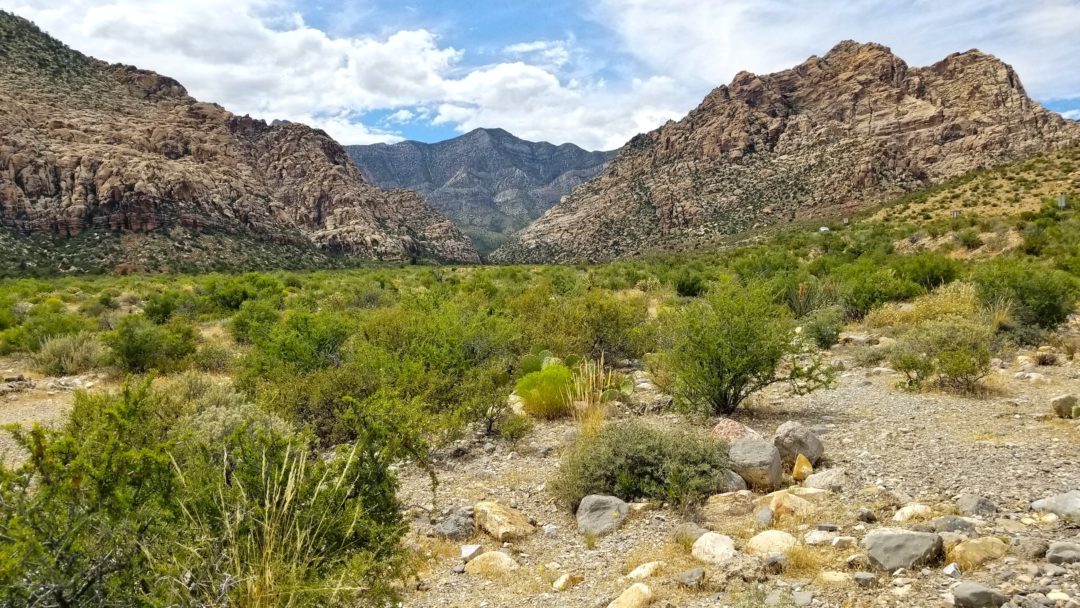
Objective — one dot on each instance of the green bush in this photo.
(147, 498)
(70, 355)
(1041, 297)
(865, 285)
(731, 344)
(42, 322)
(546, 393)
(929, 270)
(160, 306)
(253, 318)
(823, 326)
(955, 349)
(635, 460)
(689, 284)
(139, 345)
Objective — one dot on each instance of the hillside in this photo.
(88, 148)
(833, 135)
(490, 183)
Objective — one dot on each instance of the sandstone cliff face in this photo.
(487, 181)
(86, 146)
(836, 133)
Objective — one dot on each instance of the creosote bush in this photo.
(140, 345)
(634, 460)
(954, 350)
(733, 343)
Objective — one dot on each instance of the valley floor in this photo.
(898, 448)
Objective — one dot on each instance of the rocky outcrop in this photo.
(487, 181)
(91, 147)
(834, 134)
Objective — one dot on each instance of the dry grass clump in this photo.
(955, 299)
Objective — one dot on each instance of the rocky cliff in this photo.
(87, 147)
(834, 134)
(487, 181)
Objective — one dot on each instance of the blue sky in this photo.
(591, 72)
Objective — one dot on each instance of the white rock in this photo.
(770, 541)
(644, 571)
(913, 511)
(713, 548)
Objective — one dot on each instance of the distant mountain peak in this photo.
(488, 181)
(835, 133)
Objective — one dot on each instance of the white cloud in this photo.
(703, 44)
(261, 57)
(1072, 114)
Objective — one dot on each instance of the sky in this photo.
(594, 72)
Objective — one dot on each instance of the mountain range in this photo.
(490, 183)
(834, 134)
(102, 152)
(110, 167)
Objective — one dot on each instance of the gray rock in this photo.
(600, 515)
(802, 598)
(458, 525)
(1063, 405)
(834, 480)
(865, 580)
(792, 439)
(775, 562)
(973, 504)
(1031, 548)
(893, 548)
(952, 523)
(1065, 505)
(866, 516)
(1063, 553)
(692, 578)
(763, 518)
(733, 482)
(973, 595)
(688, 533)
(758, 462)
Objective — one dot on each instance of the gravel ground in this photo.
(897, 447)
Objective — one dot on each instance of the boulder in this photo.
(730, 431)
(802, 468)
(729, 504)
(833, 480)
(973, 595)
(600, 515)
(687, 533)
(644, 571)
(770, 541)
(734, 483)
(912, 511)
(792, 439)
(491, 564)
(758, 462)
(952, 523)
(893, 548)
(1063, 553)
(814, 538)
(637, 595)
(1031, 548)
(458, 525)
(692, 578)
(786, 504)
(1062, 405)
(713, 548)
(865, 579)
(567, 581)
(973, 504)
(502, 522)
(1065, 505)
(973, 553)
(470, 552)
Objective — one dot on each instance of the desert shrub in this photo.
(303, 341)
(160, 306)
(213, 358)
(930, 270)
(634, 460)
(139, 345)
(136, 501)
(615, 326)
(229, 293)
(514, 427)
(969, 238)
(690, 284)
(823, 326)
(71, 354)
(39, 323)
(1041, 297)
(253, 318)
(956, 350)
(731, 344)
(545, 394)
(865, 285)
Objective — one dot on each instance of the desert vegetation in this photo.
(249, 454)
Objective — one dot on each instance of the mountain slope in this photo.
(836, 133)
(110, 149)
(487, 181)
